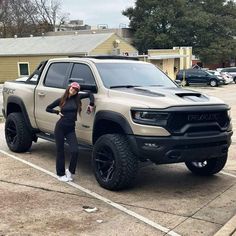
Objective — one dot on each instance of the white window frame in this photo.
(18, 65)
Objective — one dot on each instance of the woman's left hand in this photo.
(90, 109)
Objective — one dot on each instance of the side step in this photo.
(51, 138)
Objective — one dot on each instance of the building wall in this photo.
(9, 65)
(172, 59)
(109, 48)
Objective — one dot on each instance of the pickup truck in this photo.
(140, 115)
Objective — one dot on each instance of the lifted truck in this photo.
(140, 115)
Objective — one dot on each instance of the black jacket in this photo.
(71, 106)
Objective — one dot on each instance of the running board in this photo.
(51, 138)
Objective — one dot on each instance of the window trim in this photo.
(66, 74)
(81, 63)
(18, 66)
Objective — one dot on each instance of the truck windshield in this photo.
(132, 74)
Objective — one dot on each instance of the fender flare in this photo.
(114, 117)
(18, 101)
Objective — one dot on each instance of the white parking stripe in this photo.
(225, 173)
(95, 195)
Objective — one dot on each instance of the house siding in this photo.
(9, 65)
(107, 47)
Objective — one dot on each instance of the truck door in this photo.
(82, 74)
(49, 89)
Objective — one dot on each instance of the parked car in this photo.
(198, 76)
(231, 71)
(222, 75)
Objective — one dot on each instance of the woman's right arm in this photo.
(50, 107)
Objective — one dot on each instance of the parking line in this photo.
(225, 173)
(95, 195)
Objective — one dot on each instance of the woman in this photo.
(69, 104)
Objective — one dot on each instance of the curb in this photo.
(228, 229)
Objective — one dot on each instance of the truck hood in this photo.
(162, 97)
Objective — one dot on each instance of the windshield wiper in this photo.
(124, 86)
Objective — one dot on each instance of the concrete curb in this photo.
(228, 229)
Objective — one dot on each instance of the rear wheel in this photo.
(213, 83)
(235, 80)
(207, 167)
(114, 165)
(17, 134)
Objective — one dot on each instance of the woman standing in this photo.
(69, 104)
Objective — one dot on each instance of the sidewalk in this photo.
(229, 229)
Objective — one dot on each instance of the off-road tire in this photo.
(211, 167)
(17, 134)
(111, 151)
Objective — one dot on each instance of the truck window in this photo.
(82, 74)
(56, 75)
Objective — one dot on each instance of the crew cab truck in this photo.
(140, 115)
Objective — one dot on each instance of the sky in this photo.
(98, 12)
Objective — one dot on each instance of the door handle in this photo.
(41, 94)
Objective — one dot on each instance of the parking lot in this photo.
(166, 199)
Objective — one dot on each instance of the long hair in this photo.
(64, 98)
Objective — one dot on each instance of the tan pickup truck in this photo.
(141, 115)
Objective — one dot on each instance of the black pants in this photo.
(67, 131)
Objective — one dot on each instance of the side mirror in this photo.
(90, 87)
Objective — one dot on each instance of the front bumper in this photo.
(173, 149)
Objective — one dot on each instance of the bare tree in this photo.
(50, 11)
(26, 17)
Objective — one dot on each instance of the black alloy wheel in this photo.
(114, 165)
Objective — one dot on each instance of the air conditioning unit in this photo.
(116, 51)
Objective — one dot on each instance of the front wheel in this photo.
(207, 167)
(235, 80)
(17, 134)
(115, 167)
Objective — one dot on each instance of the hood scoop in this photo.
(186, 94)
(148, 92)
(191, 96)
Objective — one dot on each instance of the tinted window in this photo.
(82, 74)
(134, 74)
(56, 75)
(233, 69)
(196, 72)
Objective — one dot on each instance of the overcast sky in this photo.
(94, 12)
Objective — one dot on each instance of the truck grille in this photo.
(193, 122)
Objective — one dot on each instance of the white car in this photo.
(222, 75)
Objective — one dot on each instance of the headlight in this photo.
(148, 117)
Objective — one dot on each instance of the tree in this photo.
(204, 25)
(26, 17)
(50, 11)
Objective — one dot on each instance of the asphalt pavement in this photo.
(166, 199)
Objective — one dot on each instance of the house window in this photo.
(23, 68)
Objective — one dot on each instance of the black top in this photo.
(70, 109)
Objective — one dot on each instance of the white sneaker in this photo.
(63, 178)
(69, 175)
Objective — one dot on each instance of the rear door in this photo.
(198, 77)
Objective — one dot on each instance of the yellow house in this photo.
(170, 60)
(20, 56)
